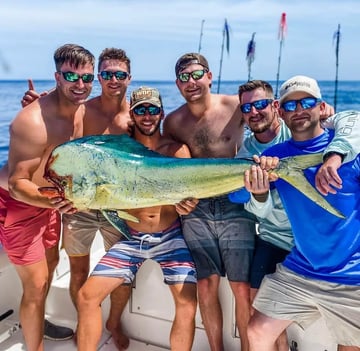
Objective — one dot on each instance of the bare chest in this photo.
(103, 124)
(215, 138)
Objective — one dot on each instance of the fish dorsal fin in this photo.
(122, 143)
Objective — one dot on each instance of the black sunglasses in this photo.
(119, 75)
(196, 75)
(306, 103)
(74, 77)
(258, 104)
(141, 110)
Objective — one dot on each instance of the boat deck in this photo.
(146, 320)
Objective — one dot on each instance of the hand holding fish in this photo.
(257, 178)
(57, 201)
(267, 163)
(256, 181)
(327, 177)
(186, 206)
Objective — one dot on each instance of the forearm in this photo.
(346, 141)
(260, 204)
(26, 191)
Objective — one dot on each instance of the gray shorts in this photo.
(289, 296)
(79, 231)
(221, 238)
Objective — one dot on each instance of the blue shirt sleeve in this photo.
(240, 196)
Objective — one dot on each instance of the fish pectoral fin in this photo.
(104, 192)
(297, 179)
(127, 216)
(117, 222)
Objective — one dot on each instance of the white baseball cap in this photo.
(299, 83)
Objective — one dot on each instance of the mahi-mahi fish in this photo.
(113, 173)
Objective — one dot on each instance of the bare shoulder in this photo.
(174, 117)
(230, 100)
(29, 121)
(92, 106)
(179, 117)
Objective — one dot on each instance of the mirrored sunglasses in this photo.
(305, 103)
(196, 75)
(141, 110)
(119, 75)
(258, 104)
(74, 77)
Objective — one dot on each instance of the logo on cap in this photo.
(145, 95)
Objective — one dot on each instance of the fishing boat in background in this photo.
(146, 320)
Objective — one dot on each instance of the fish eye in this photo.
(63, 182)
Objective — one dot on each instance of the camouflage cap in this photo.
(190, 59)
(145, 95)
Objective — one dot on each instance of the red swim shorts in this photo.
(26, 231)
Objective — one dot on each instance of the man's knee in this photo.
(36, 290)
(253, 331)
(209, 285)
(84, 299)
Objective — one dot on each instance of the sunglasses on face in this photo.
(141, 110)
(306, 103)
(74, 77)
(119, 75)
(196, 75)
(258, 104)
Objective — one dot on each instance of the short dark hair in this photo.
(256, 84)
(114, 54)
(76, 55)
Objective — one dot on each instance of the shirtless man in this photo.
(107, 113)
(158, 236)
(33, 219)
(211, 125)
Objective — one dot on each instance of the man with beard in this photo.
(275, 238)
(157, 236)
(320, 276)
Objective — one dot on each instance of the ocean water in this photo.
(11, 92)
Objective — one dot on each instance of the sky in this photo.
(155, 33)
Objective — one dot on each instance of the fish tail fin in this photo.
(291, 170)
(302, 162)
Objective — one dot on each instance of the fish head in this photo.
(72, 169)
(62, 182)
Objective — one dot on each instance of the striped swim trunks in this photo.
(167, 247)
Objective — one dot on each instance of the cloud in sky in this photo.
(156, 33)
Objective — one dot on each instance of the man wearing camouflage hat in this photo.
(157, 236)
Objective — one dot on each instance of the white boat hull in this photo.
(147, 318)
